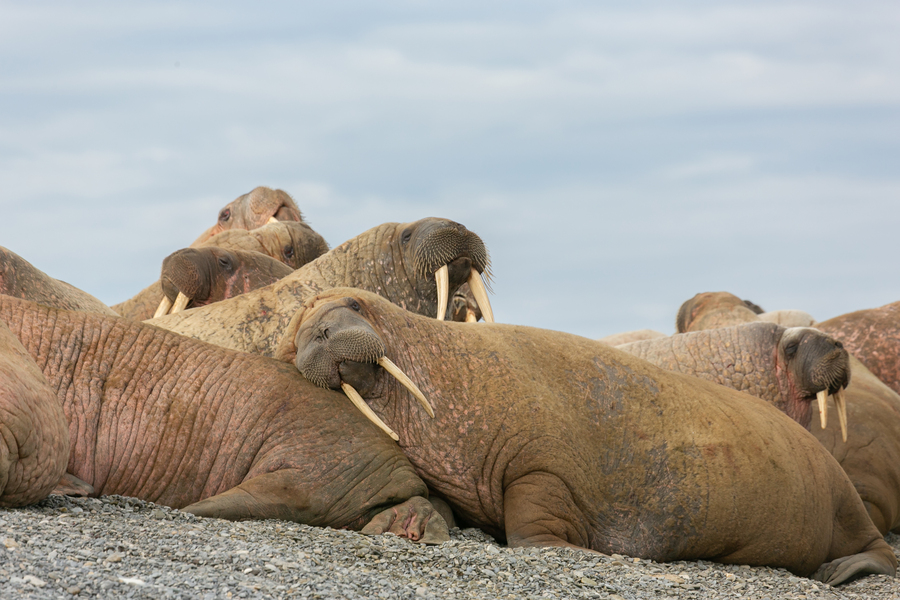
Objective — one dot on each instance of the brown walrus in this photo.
(218, 433)
(870, 450)
(549, 439)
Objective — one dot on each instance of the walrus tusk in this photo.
(163, 309)
(841, 404)
(181, 302)
(481, 296)
(470, 316)
(442, 279)
(272, 220)
(359, 403)
(822, 396)
(389, 366)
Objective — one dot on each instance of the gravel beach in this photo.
(117, 547)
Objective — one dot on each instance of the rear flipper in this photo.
(879, 559)
(70, 485)
(276, 495)
(416, 519)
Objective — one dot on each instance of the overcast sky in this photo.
(616, 158)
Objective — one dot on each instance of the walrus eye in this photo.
(791, 349)
(224, 263)
(407, 235)
(354, 305)
(225, 214)
(288, 252)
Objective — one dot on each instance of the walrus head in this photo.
(260, 206)
(710, 310)
(450, 255)
(333, 345)
(818, 366)
(193, 277)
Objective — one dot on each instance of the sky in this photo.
(616, 158)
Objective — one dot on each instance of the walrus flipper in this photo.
(416, 519)
(270, 496)
(69, 485)
(878, 560)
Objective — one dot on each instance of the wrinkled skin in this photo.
(873, 336)
(394, 260)
(290, 242)
(253, 210)
(207, 275)
(34, 436)
(218, 433)
(20, 279)
(785, 367)
(626, 337)
(549, 439)
(871, 454)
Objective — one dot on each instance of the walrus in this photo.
(545, 438)
(193, 277)
(217, 433)
(868, 449)
(788, 367)
(254, 209)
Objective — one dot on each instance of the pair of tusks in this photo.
(442, 278)
(389, 366)
(841, 405)
(181, 302)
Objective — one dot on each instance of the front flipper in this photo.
(879, 560)
(416, 519)
(539, 510)
(69, 485)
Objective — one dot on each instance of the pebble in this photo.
(121, 547)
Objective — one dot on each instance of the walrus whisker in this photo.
(442, 279)
(841, 404)
(359, 403)
(481, 297)
(164, 305)
(181, 302)
(822, 397)
(389, 366)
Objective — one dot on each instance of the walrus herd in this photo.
(222, 389)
